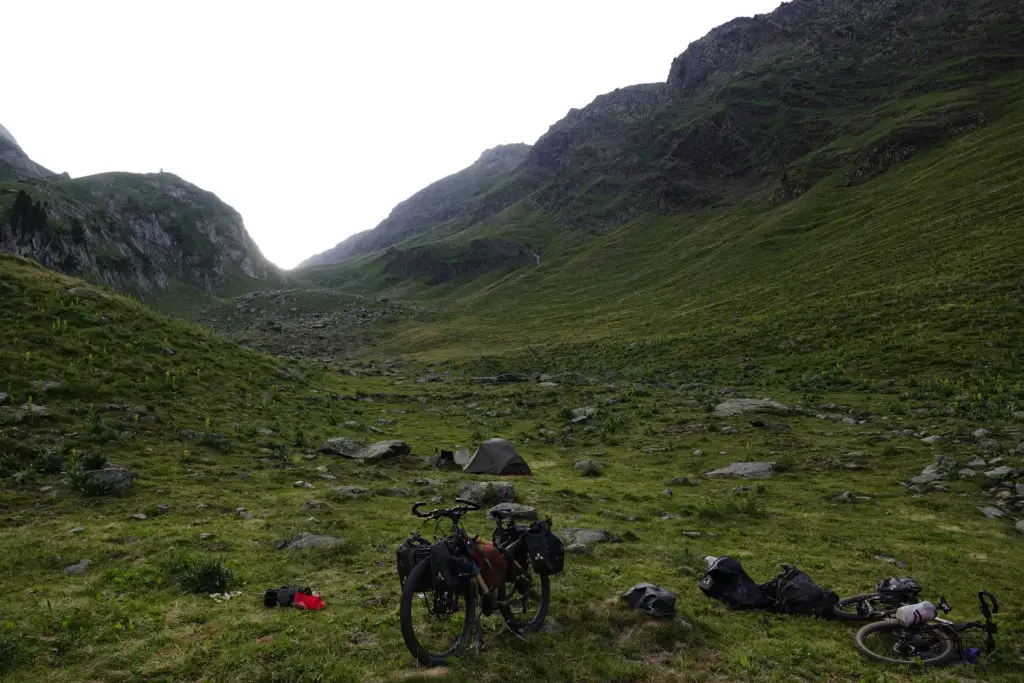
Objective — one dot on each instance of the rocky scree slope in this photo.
(140, 233)
(761, 107)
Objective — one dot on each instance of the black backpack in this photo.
(547, 553)
(794, 592)
(413, 550)
(728, 582)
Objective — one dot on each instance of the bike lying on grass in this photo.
(447, 584)
(920, 636)
(890, 594)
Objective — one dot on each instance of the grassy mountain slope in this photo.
(128, 616)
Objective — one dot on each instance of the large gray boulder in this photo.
(307, 541)
(343, 446)
(745, 470)
(738, 406)
(383, 450)
(584, 540)
(999, 473)
(116, 480)
(78, 569)
(481, 492)
(516, 510)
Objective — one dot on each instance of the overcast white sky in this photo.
(313, 119)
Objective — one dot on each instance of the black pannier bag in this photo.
(794, 592)
(413, 550)
(895, 591)
(449, 567)
(547, 554)
(652, 600)
(728, 582)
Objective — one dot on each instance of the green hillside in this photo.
(122, 396)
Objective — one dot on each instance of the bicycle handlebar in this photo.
(452, 512)
(989, 604)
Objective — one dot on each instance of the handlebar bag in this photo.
(413, 551)
(450, 566)
(547, 554)
(897, 591)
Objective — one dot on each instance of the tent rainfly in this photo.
(497, 456)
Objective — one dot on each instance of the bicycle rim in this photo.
(436, 625)
(859, 608)
(888, 641)
(526, 605)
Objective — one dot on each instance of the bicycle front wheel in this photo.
(436, 625)
(890, 642)
(858, 608)
(525, 601)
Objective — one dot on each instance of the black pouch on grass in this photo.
(652, 600)
(547, 553)
(794, 592)
(449, 569)
(413, 551)
(895, 591)
(283, 597)
(728, 582)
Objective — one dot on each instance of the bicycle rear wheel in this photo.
(890, 642)
(436, 625)
(525, 601)
(859, 608)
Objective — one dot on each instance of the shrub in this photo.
(200, 574)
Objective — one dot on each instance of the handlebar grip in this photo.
(984, 604)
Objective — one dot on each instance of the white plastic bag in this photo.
(915, 615)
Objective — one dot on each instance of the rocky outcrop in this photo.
(15, 164)
(140, 233)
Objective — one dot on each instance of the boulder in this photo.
(999, 473)
(302, 485)
(343, 446)
(684, 481)
(3, 398)
(517, 511)
(980, 434)
(1020, 526)
(584, 540)
(398, 492)
(991, 512)
(745, 470)
(589, 467)
(738, 406)
(481, 492)
(581, 414)
(83, 293)
(116, 480)
(307, 541)
(977, 463)
(932, 440)
(352, 491)
(967, 473)
(77, 569)
(383, 450)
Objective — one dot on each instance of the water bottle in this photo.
(915, 615)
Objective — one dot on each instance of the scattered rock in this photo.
(351, 424)
(138, 516)
(242, 513)
(936, 471)
(845, 497)
(424, 481)
(313, 505)
(999, 473)
(977, 463)
(684, 481)
(77, 569)
(667, 493)
(430, 377)
(488, 492)
(768, 424)
(980, 434)
(932, 440)
(745, 470)
(581, 414)
(205, 536)
(967, 473)
(218, 441)
(914, 488)
(738, 406)
(1020, 526)
(729, 429)
(398, 492)
(78, 529)
(343, 446)
(45, 385)
(302, 485)
(991, 512)
(306, 541)
(517, 510)
(589, 467)
(698, 453)
(188, 435)
(263, 431)
(352, 491)
(84, 293)
(940, 488)
(168, 351)
(116, 480)
(583, 540)
(690, 534)
(4, 398)
(243, 476)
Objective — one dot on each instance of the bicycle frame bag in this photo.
(450, 567)
(547, 554)
(794, 592)
(895, 591)
(413, 551)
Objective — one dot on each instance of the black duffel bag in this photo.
(794, 592)
(413, 550)
(450, 566)
(547, 553)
